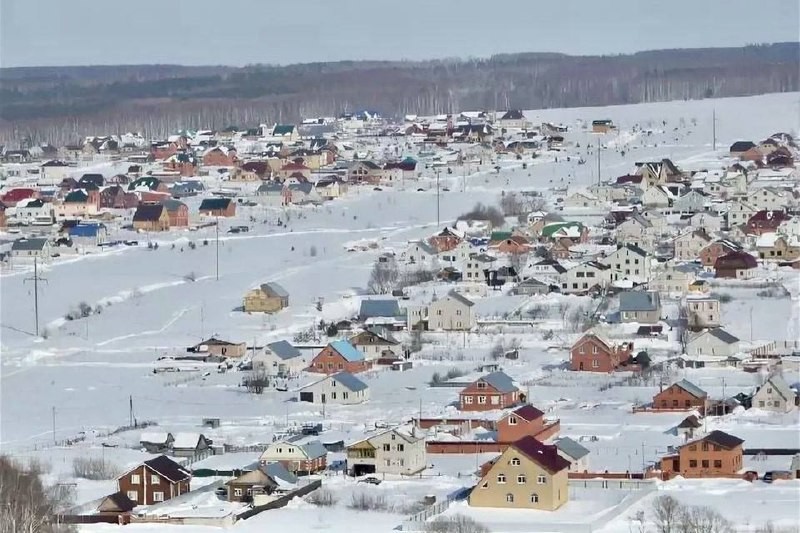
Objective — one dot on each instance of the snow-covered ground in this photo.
(80, 380)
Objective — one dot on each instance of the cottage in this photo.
(220, 156)
(671, 278)
(219, 348)
(681, 396)
(687, 246)
(765, 221)
(363, 171)
(477, 265)
(299, 458)
(378, 308)
(512, 119)
(717, 454)
(190, 444)
(154, 481)
(527, 475)
(339, 356)
(715, 250)
(659, 172)
(398, 451)
(572, 451)
(177, 213)
(419, 252)
(280, 359)
(714, 342)
(593, 353)
(585, 277)
(775, 247)
(492, 391)
(628, 262)
(735, 265)
(218, 207)
(769, 199)
(265, 480)
(266, 298)
(151, 217)
(342, 388)
(739, 212)
(640, 306)
(523, 421)
(775, 395)
(531, 286)
(375, 343)
(54, 171)
(39, 249)
(34, 211)
(116, 504)
(454, 312)
(740, 147)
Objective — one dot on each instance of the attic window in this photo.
(515, 461)
(512, 420)
(481, 385)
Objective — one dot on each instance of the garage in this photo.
(307, 397)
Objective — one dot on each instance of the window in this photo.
(388, 462)
(135, 479)
(495, 400)
(594, 349)
(387, 447)
(439, 312)
(579, 274)
(237, 492)
(515, 461)
(705, 446)
(155, 480)
(581, 350)
(541, 480)
(717, 463)
(133, 495)
(510, 498)
(534, 498)
(401, 447)
(482, 400)
(467, 399)
(590, 274)
(521, 479)
(501, 479)
(705, 463)
(344, 395)
(158, 496)
(776, 403)
(692, 463)
(595, 363)
(761, 403)
(481, 385)
(512, 420)
(485, 485)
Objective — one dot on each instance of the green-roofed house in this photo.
(285, 132)
(574, 231)
(218, 207)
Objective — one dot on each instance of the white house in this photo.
(672, 278)
(687, 246)
(706, 221)
(342, 388)
(34, 211)
(458, 255)
(712, 343)
(475, 265)
(295, 456)
(635, 226)
(655, 197)
(546, 268)
(739, 213)
(280, 359)
(775, 395)
(572, 451)
(398, 451)
(628, 262)
(582, 199)
(769, 199)
(583, 277)
(703, 313)
(418, 252)
(32, 249)
(451, 313)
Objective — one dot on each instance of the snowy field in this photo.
(78, 381)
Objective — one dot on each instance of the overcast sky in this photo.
(237, 32)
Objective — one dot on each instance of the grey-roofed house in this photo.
(342, 388)
(454, 312)
(775, 395)
(640, 306)
(270, 193)
(572, 451)
(714, 343)
(32, 249)
(281, 359)
(379, 308)
(266, 298)
(492, 391)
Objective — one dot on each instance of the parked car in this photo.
(769, 477)
(372, 480)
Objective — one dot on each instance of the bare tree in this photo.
(696, 519)
(256, 382)
(667, 513)
(25, 504)
(384, 276)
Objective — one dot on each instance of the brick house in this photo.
(115, 197)
(177, 212)
(339, 356)
(680, 396)
(492, 391)
(715, 250)
(151, 217)
(154, 481)
(521, 422)
(734, 265)
(515, 245)
(592, 353)
(717, 454)
(445, 240)
(220, 156)
(765, 221)
(218, 207)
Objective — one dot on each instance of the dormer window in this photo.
(481, 385)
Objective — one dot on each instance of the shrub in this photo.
(256, 382)
(362, 501)
(455, 524)
(322, 498)
(93, 468)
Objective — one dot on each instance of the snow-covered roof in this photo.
(186, 440)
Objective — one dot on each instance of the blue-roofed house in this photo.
(342, 388)
(88, 233)
(339, 356)
(280, 359)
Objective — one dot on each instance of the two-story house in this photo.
(375, 343)
(628, 262)
(453, 312)
(687, 246)
(342, 388)
(775, 395)
(492, 391)
(298, 458)
(585, 277)
(593, 353)
(640, 306)
(339, 356)
(682, 395)
(703, 313)
(717, 454)
(154, 481)
(397, 451)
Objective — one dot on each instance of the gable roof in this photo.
(148, 212)
(500, 381)
(512, 114)
(639, 301)
(720, 438)
(187, 441)
(118, 501)
(29, 245)
(173, 205)
(274, 289)
(528, 412)
(571, 448)
(284, 349)
(314, 449)
(723, 335)
(168, 468)
(459, 298)
(385, 307)
(349, 381)
(691, 388)
(156, 437)
(347, 350)
(214, 204)
(543, 455)
(780, 385)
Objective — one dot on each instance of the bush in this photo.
(455, 524)
(362, 501)
(497, 351)
(93, 468)
(482, 212)
(322, 498)
(256, 382)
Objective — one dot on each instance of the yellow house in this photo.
(267, 298)
(528, 475)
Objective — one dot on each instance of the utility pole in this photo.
(217, 229)
(714, 128)
(130, 410)
(36, 279)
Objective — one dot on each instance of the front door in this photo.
(323, 398)
(580, 366)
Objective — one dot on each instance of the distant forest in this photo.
(63, 104)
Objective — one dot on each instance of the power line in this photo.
(36, 279)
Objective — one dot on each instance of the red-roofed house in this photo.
(734, 265)
(521, 422)
(592, 353)
(220, 156)
(291, 168)
(11, 197)
(765, 222)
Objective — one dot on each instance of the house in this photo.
(739, 212)
(572, 451)
(735, 265)
(54, 171)
(514, 245)
(339, 356)
(769, 199)
(681, 396)
(218, 207)
(445, 240)
(419, 252)
(687, 246)
(286, 133)
(765, 222)
(703, 313)
(32, 249)
(656, 197)
(78, 204)
(512, 119)
(331, 187)
(299, 459)
(156, 480)
(706, 221)
(692, 201)
(672, 278)
(574, 231)
(492, 391)
(375, 342)
(267, 479)
(714, 342)
(177, 213)
(527, 475)
(270, 193)
(363, 171)
(740, 147)
(156, 442)
(717, 454)
(775, 395)
(593, 353)
(374, 308)
(266, 298)
(115, 197)
(34, 211)
(477, 265)
(398, 451)
(88, 234)
(341, 388)
(220, 156)
(585, 277)
(715, 250)
(451, 313)
(115, 505)
(603, 126)
(634, 227)
(531, 286)
(628, 262)
(280, 359)
(151, 217)
(640, 306)
(659, 172)
(219, 348)
(457, 255)
(775, 247)
(190, 444)
(548, 269)
(523, 421)
(580, 199)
